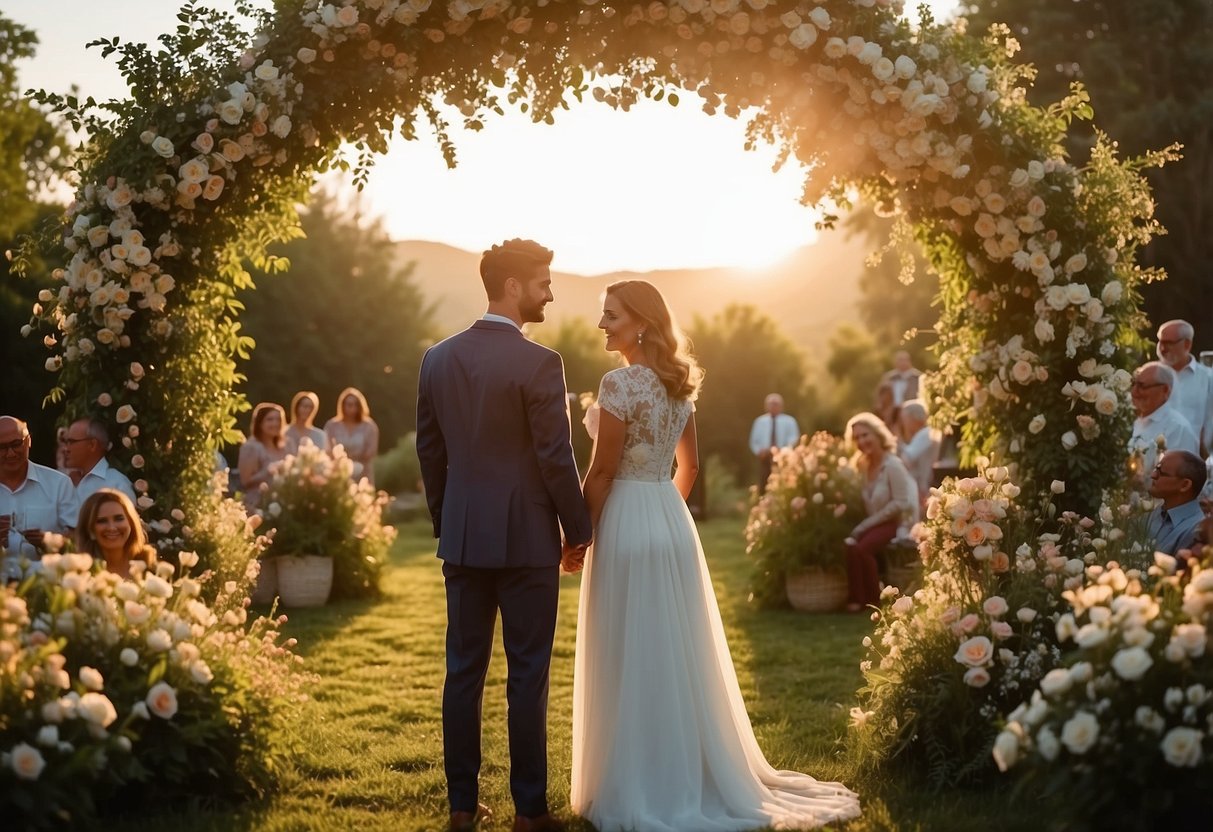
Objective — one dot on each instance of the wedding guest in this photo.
(109, 529)
(903, 378)
(265, 446)
(355, 430)
(886, 407)
(34, 499)
(304, 407)
(1156, 416)
(770, 431)
(1192, 395)
(890, 499)
(1176, 480)
(61, 464)
(919, 447)
(87, 442)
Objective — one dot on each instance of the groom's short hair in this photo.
(514, 258)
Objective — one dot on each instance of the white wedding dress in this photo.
(661, 738)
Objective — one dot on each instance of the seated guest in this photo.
(34, 499)
(109, 529)
(303, 410)
(886, 405)
(265, 446)
(919, 447)
(87, 441)
(890, 498)
(1176, 480)
(355, 430)
(61, 464)
(1157, 416)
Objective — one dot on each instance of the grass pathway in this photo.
(370, 742)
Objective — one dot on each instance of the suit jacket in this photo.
(493, 438)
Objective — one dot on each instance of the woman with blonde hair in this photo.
(109, 529)
(354, 429)
(661, 737)
(304, 407)
(265, 446)
(890, 498)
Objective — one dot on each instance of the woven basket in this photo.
(304, 580)
(266, 588)
(815, 590)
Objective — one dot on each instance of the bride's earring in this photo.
(640, 337)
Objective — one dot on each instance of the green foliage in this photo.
(746, 357)
(224, 538)
(345, 313)
(812, 501)
(580, 345)
(399, 471)
(314, 507)
(856, 361)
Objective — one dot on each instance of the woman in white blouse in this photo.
(890, 498)
(303, 410)
(355, 430)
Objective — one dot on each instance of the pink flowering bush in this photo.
(811, 504)
(313, 507)
(136, 687)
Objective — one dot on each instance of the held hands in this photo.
(572, 558)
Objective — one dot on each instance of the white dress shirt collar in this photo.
(501, 319)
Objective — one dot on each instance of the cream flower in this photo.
(1182, 747)
(977, 677)
(125, 413)
(91, 678)
(1006, 750)
(1080, 732)
(1056, 682)
(161, 700)
(26, 761)
(975, 652)
(803, 36)
(96, 709)
(1131, 663)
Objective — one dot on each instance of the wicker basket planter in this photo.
(816, 590)
(266, 588)
(304, 580)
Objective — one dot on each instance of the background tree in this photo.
(344, 314)
(33, 151)
(580, 345)
(1146, 67)
(746, 356)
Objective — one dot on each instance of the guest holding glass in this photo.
(354, 429)
(109, 529)
(265, 446)
(890, 499)
(304, 407)
(34, 499)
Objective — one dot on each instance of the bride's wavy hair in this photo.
(666, 349)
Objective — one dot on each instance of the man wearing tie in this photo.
(1176, 480)
(773, 429)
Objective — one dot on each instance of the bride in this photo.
(661, 738)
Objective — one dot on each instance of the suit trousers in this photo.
(527, 598)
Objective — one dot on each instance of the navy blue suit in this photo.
(493, 438)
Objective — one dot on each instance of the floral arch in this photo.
(200, 171)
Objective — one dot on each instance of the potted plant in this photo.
(796, 529)
(326, 532)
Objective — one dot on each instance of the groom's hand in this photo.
(572, 558)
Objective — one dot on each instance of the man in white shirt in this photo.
(1176, 481)
(903, 378)
(1157, 417)
(919, 447)
(34, 499)
(1193, 393)
(773, 429)
(87, 441)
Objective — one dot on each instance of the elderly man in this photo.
(1157, 417)
(87, 441)
(1193, 393)
(773, 429)
(919, 446)
(1176, 480)
(34, 499)
(903, 378)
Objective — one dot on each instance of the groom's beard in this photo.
(531, 314)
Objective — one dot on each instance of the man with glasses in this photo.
(87, 441)
(1176, 480)
(34, 499)
(1157, 417)
(1193, 393)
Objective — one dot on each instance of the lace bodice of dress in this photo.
(654, 421)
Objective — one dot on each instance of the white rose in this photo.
(903, 605)
(975, 652)
(163, 147)
(1078, 293)
(1149, 719)
(905, 67)
(835, 48)
(26, 761)
(128, 657)
(1182, 747)
(1022, 372)
(306, 55)
(281, 126)
(161, 700)
(1006, 750)
(1057, 297)
(1019, 179)
(1112, 293)
(1076, 263)
(1026, 615)
(1192, 638)
(1069, 440)
(347, 16)
(1090, 635)
(230, 111)
(266, 71)
(1131, 663)
(201, 673)
(125, 414)
(91, 678)
(977, 677)
(1106, 402)
(159, 641)
(803, 36)
(1047, 744)
(97, 709)
(1056, 682)
(157, 587)
(1080, 732)
(1037, 424)
(869, 53)
(820, 18)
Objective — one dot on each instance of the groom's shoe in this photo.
(467, 821)
(542, 823)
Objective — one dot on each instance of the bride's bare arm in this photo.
(687, 456)
(608, 450)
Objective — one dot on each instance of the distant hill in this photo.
(808, 294)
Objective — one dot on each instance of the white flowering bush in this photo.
(948, 662)
(312, 506)
(1130, 710)
(136, 688)
(812, 501)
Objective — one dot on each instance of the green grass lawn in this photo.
(371, 738)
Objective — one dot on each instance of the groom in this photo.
(497, 461)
